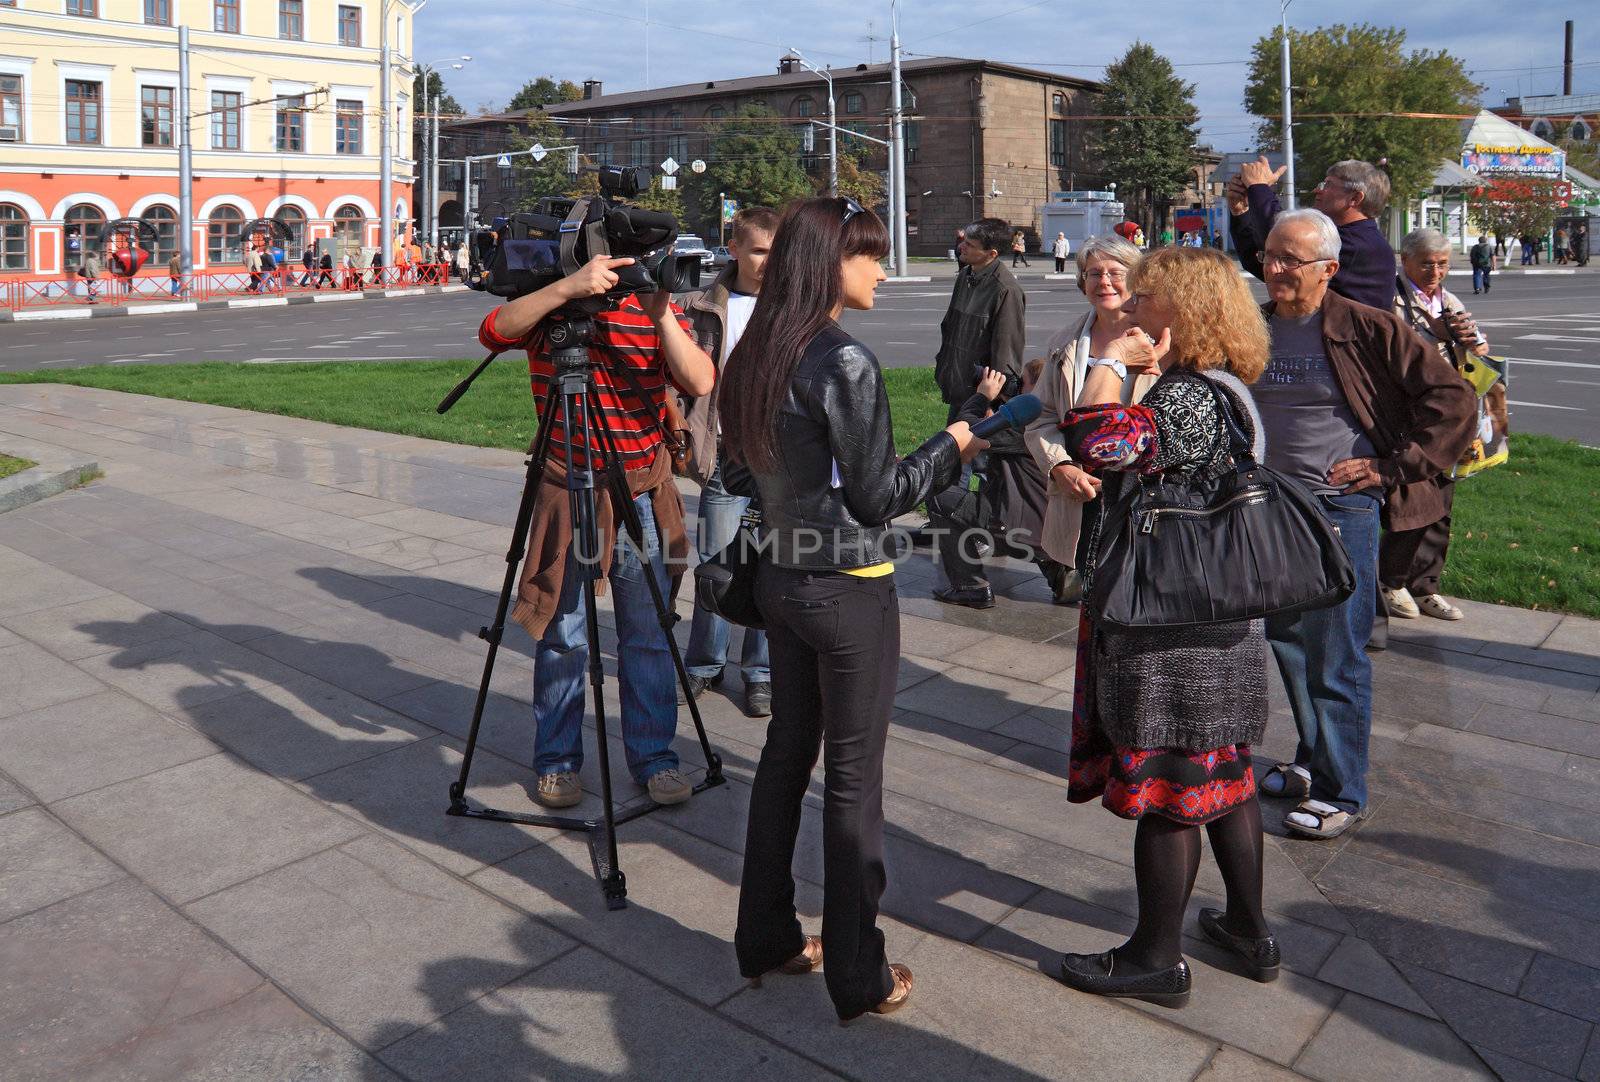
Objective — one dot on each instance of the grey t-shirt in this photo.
(1307, 419)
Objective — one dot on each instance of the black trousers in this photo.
(835, 646)
(962, 520)
(1415, 558)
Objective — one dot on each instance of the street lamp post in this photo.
(1288, 119)
(833, 122)
(431, 140)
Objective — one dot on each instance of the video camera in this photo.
(530, 250)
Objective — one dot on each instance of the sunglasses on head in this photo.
(851, 209)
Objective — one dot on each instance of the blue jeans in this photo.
(718, 522)
(1480, 279)
(1325, 667)
(645, 672)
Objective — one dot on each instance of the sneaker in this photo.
(1401, 603)
(1438, 608)
(559, 790)
(758, 699)
(669, 787)
(698, 685)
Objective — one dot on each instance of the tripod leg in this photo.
(496, 631)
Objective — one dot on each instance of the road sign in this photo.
(538, 152)
(669, 167)
(669, 184)
(697, 166)
(503, 161)
(730, 207)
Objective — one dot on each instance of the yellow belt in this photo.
(876, 571)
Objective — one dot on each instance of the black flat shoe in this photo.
(1261, 956)
(1096, 974)
(978, 597)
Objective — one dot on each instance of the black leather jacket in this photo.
(837, 413)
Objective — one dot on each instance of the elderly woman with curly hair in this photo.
(1164, 718)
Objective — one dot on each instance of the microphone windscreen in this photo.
(1023, 410)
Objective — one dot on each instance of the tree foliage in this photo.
(751, 159)
(865, 186)
(1149, 160)
(537, 93)
(1518, 206)
(425, 86)
(1361, 70)
(535, 180)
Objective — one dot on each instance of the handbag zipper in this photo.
(1147, 523)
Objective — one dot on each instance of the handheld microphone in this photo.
(1020, 412)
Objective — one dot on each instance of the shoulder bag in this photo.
(725, 585)
(1191, 551)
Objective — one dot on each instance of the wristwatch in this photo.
(1112, 363)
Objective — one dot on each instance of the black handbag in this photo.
(725, 585)
(1193, 551)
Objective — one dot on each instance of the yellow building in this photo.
(286, 104)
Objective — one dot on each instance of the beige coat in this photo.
(1058, 391)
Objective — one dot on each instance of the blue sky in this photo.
(512, 41)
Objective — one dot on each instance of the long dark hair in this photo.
(799, 292)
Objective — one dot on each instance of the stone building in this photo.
(982, 138)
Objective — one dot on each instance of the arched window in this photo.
(292, 219)
(1058, 103)
(1579, 130)
(1541, 128)
(13, 238)
(716, 112)
(83, 224)
(805, 106)
(224, 236)
(164, 220)
(675, 120)
(350, 225)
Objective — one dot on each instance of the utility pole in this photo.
(385, 165)
(433, 179)
(897, 152)
(1288, 118)
(185, 160)
(833, 140)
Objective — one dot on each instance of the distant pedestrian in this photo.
(1061, 249)
(1526, 243)
(175, 274)
(463, 260)
(90, 271)
(1563, 243)
(308, 263)
(252, 266)
(1166, 236)
(1139, 238)
(1019, 249)
(325, 266)
(961, 236)
(1580, 245)
(1483, 262)
(269, 271)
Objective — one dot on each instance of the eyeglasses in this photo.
(1287, 262)
(1115, 275)
(1435, 264)
(1323, 186)
(851, 209)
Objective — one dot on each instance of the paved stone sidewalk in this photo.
(234, 678)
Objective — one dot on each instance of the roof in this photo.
(1452, 175)
(1555, 104)
(1491, 130)
(1582, 179)
(782, 81)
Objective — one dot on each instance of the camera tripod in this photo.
(573, 398)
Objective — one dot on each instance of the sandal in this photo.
(809, 958)
(1285, 780)
(1328, 821)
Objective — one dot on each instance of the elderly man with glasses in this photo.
(1352, 195)
(1354, 404)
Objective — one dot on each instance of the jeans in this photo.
(835, 654)
(644, 666)
(1480, 279)
(1326, 671)
(718, 523)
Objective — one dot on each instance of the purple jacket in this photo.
(1366, 262)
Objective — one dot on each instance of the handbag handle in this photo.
(1240, 445)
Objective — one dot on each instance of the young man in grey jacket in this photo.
(719, 315)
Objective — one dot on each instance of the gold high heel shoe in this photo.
(809, 958)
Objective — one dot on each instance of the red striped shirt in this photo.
(633, 421)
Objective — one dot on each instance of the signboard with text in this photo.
(1528, 160)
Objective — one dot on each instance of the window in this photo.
(1058, 143)
(347, 127)
(13, 238)
(164, 220)
(913, 140)
(678, 148)
(349, 25)
(854, 103)
(349, 225)
(91, 8)
(805, 107)
(639, 152)
(291, 19)
(675, 120)
(1579, 130)
(83, 112)
(225, 119)
(716, 112)
(225, 236)
(1541, 128)
(602, 154)
(155, 116)
(158, 12)
(293, 220)
(83, 222)
(11, 103)
(291, 126)
(1058, 104)
(225, 16)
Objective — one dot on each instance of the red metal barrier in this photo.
(149, 288)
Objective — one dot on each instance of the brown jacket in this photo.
(708, 313)
(1417, 411)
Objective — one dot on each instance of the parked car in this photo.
(721, 257)
(689, 244)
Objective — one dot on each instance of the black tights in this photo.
(1166, 858)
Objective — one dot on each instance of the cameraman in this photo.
(651, 336)
(719, 315)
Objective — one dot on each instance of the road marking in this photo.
(1555, 338)
(1544, 406)
(1580, 382)
(1541, 362)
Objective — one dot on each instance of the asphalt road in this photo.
(1548, 325)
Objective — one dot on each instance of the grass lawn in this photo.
(9, 465)
(1524, 533)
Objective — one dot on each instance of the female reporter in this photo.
(806, 419)
(1164, 718)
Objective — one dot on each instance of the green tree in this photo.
(537, 93)
(667, 201)
(1151, 160)
(753, 159)
(865, 186)
(423, 88)
(537, 179)
(1349, 82)
(1582, 156)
